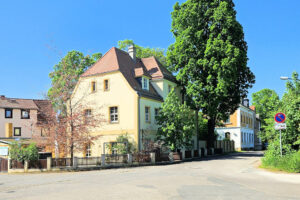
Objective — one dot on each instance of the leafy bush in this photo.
(289, 162)
(20, 152)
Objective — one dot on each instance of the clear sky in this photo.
(34, 35)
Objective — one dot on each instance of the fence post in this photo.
(49, 160)
(192, 153)
(152, 156)
(102, 159)
(129, 158)
(26, 166)
(183, 153)
(205, 151)
(171, 158)
(9, 164)
(75, 162)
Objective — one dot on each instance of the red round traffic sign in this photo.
(280, 118)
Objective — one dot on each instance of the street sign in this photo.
(279, 117)
(280, 126)
(3, 151)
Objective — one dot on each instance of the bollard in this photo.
(212, 151)
(205, 151)
(49, 160)
(192, 153)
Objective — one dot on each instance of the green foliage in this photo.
(19, 152)
(290, 161)
(290, 106)
(16, 151)
(176, 123)
(210, 57)
(31, 152)
(121, 147)
(65, 75)
(145, 52)
(267, 103)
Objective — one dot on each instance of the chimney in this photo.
(246, 102)
(132, 52)
(2, 97)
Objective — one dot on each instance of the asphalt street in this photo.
(228, 177)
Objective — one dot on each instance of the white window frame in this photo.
(88, 151)
(145, 83)
(147, 115)
(114, 116)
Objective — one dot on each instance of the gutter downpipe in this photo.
(139, 122)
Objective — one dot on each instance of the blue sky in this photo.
(36, 34)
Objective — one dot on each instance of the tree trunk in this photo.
(197, 127)
(211, 131)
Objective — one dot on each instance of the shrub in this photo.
(20, 152)
(289, 162)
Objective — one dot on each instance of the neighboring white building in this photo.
(240, 127)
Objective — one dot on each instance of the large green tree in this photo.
(176, 124)
(65, 75)
(210, 57)
(290, 106)
(265, 101)
(144, 52)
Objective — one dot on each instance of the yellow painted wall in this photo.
(233, 120)
(161, 86)
(120, 94)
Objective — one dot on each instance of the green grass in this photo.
(287, 163)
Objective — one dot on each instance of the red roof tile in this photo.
(116, 59)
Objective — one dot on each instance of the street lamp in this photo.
(284, 78)
(287, 78)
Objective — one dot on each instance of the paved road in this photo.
(229, 177)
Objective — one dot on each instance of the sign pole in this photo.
(280, 144)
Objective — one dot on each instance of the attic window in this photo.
(145, 83)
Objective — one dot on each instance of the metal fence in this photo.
(61, 162)
(38, 164)
(14, 164)
(89, 161)
(141, 157)
(116, 158)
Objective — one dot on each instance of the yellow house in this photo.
(127, 91)
(240, 127)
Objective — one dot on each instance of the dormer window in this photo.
(145, 83)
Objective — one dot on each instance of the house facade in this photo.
(240, 127)
(20, 119)
(127, 92)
